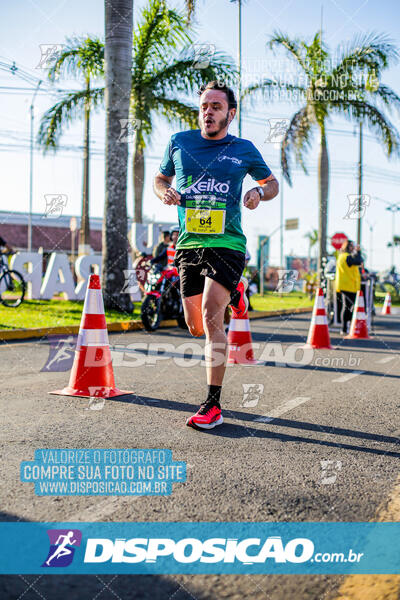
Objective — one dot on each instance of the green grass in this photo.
(57, 313)
(380, 297)
(53, 313)
(275, 301)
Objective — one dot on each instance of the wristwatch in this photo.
(260, 191)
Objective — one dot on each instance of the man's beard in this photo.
(221, 125)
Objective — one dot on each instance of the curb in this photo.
(39, 332)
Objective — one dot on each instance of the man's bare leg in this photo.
(215, 301)
(204, 313)
(192, 307)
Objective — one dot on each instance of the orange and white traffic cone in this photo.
(92, 373)
(386, 310)
(358, 327)
(239, 341)
(318, 334)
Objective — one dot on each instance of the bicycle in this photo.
(12, 284)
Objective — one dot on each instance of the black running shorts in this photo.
(221, 264)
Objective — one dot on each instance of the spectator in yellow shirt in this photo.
(348, 280)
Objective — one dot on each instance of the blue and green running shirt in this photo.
(209, 176)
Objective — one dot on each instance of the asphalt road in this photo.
(312, 442)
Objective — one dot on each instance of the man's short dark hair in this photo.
(165, 234)
(220, 86)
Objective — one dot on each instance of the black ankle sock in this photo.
(214, 393)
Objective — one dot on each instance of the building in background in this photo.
(56, 233)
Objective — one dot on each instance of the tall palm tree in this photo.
(190, 6)
(81, 58)
(349, 86)
(118, 75)
(163, 74)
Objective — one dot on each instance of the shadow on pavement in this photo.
(232, 430)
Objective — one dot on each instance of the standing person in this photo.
(4, 247)
(171, 249)
(167, 257)
(163, 244)
(210, 165)
(348, 280)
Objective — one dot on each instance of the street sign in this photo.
(291, 224)
(338, 239)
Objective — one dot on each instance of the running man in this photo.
(210, 165)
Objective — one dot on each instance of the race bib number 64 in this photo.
(205, 220)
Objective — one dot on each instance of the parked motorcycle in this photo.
(162, 298)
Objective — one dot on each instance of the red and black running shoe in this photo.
(208, 416)
(240, 302)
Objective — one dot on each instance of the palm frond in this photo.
(371, 52)
(316, 56)
(81, 56)
(297, 140)
(375, 120)
(71, 106)
(181, 76)
(159, 30)
(387, 96)
(292, 46)
(266, 87)
(178, 113)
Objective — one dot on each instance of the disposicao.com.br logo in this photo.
(213, 550)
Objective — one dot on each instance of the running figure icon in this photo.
(62, 549)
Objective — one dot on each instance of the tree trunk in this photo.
(84, 233)
(138, 181)
(118, 63)
(323, 183)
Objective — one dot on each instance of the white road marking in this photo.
(282, 409)
(386, 359)
(347, 377)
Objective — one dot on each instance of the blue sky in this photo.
(28, 23)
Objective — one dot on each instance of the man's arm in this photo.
(270, 188)
(159, 257)
(355, 259)
(163, 189)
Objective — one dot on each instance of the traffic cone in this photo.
(92, 373)
(239, 342)
(318, 335)
(358, 327)
(386, 310)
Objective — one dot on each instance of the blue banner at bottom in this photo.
(162, 548)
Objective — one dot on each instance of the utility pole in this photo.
(262, 244)
(371, 230)
(281, 220)
(239, 104)
(31, 169)
(360, 176)
(394, 208)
